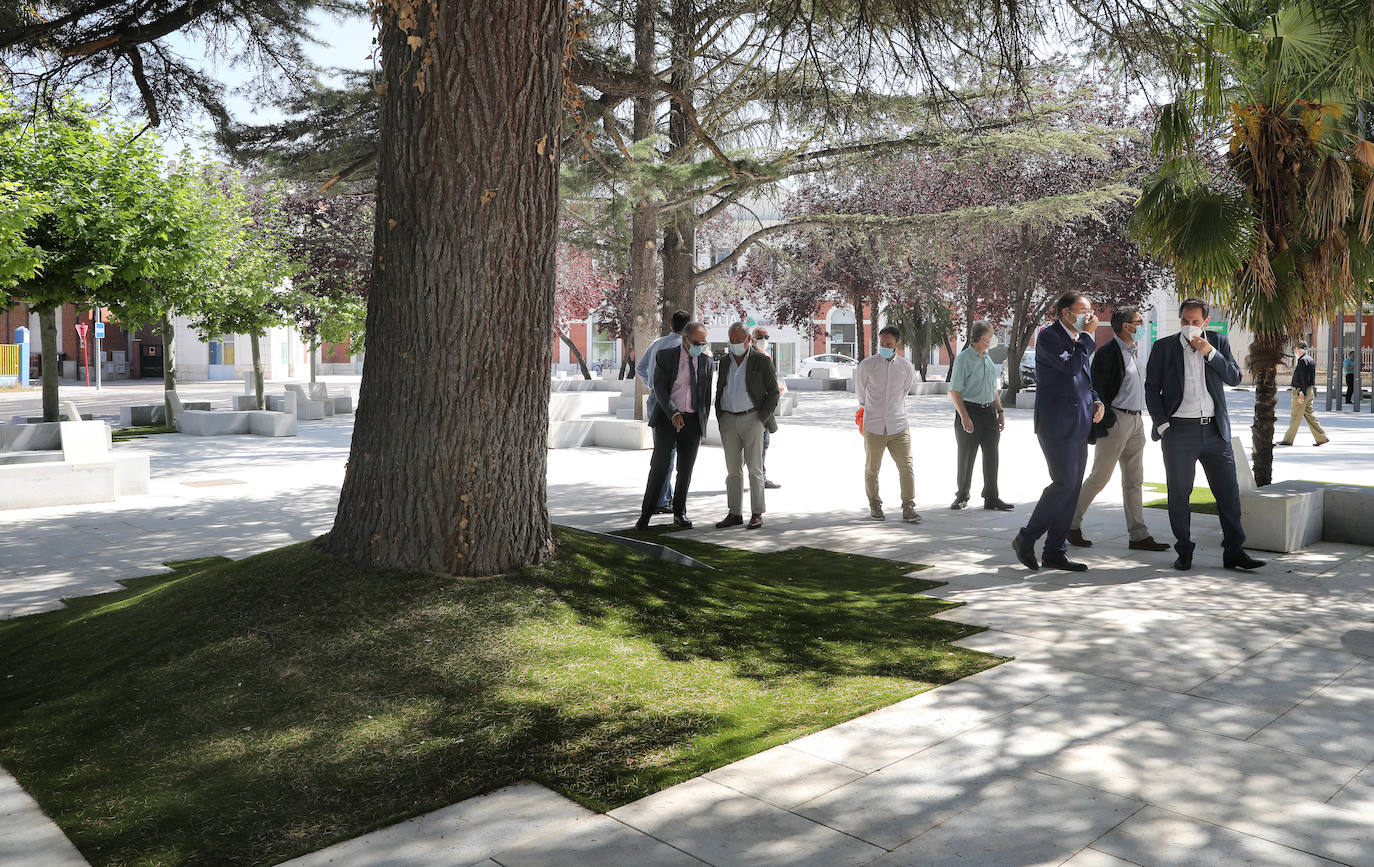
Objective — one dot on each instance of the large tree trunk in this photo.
(679, 236)
(257, 370)
(47, 332)
(577, 356)
(169, 366)
(644, 218)
(873, 327)
(447, 471)
(1265, 353)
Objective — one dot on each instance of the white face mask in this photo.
(1191, 332)
(1079, 321)
(992, 343)
(761, 344)
(738, 349)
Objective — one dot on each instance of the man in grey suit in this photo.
(746, 398)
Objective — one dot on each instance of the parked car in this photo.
(839, 365)
(1027, 371)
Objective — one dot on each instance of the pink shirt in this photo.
(681, 395)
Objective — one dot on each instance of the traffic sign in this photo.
(81, 329)
(100, 331)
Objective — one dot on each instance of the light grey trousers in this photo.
(741, 436)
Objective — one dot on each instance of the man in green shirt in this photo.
(978, 420)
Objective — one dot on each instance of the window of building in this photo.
(602, 348)
(221, 351)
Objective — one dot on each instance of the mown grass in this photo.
(1201, 501)
(130, 433)
(246, 712)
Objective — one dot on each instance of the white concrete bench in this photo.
(338, 404)
(199, 423)
(609, 433)
(306, 408)
(266, 423)
(81, 470)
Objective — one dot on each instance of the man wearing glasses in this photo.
(1119, 380)
(681, 406)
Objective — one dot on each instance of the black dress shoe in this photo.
(959, 503)
(997, 506)
(1148, 544)
(1025, 553)
(1244, 561)
(1059, 561)
(1075, 538)
(682, 521)
(1184, 562)
(642, 524)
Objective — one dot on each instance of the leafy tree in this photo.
(581, 289)
(1278, 230)
(19, 211)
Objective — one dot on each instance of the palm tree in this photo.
(1263, 201)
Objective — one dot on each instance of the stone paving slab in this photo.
(1278, 678)
(1158, 838)
(26, 835)
(1032, 820)
(1336, 723)
(784, 776)
(722, 826)
(1104, 663)
(591, 841)
(1091, 857)
(463, 833)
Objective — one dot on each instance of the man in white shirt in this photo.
(1183, 390)
(882, 383)
(644, 369)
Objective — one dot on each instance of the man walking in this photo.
(978, 418)
(682, 403)
(644, 369)
(1350, 378)
(1065, 411)
(1119, 439)
(1303, 387)
(746, 398)
(1183, 390)
(881, 383)
(761, 344)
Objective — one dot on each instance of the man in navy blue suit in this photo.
(681, 407)
(1183, 391)
(1066, 408)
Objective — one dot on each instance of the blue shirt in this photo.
(1350, 365)
(974, 376)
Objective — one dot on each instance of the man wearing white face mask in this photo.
(882, 383)
(1183, 390)
(682, 404)
(746, 398)
(978, 419)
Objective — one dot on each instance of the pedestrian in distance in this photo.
(882, 383)
(1066, 408)
(1304, 396)
(682, 404)
(746, 398)
(1350, 378)
(1118, 439)
(644, 369)
(1184, 382)
(762, 344)
(978, 417)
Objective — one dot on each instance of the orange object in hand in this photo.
(859, 419)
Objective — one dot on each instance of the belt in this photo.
(980, 405)
(1206, 419)
(1127, 411)
(746, 412)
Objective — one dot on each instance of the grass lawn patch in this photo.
(1202, 502)
(133, 433)
(247, 712)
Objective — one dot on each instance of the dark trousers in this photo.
(665, 497)
(1066, 460)
(1350, 388)
(666, 440)
(985, 436)
(1185, 446)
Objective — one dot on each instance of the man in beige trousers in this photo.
(1119, 438)
(882, 383)
(1304, 396)
(746, 399)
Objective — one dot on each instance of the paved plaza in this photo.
(1149, 716)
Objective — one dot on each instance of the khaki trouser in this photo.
(1301, 412)
(1123, 445)
(741, 436)
(899, 446)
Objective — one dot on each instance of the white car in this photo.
(840, 366)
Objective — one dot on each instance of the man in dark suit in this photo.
(1183, 390)
(1304, 407)
(746, 398)
(682, 404)
(1065, 410)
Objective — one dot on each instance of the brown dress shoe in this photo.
(755, 521)
(1149, 544)
(731, 520)
(1076, 539)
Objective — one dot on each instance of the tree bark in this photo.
(314, 350)
(577, 356)
(47, 331)
(257, 369)
(1265, 353)
(873, 327)
(169, 366)
(447, 469)
(644, 219)
(679, 236)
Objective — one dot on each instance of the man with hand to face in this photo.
(1183, 390)
(682, 404)
(1066, 408)
(746, 398)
